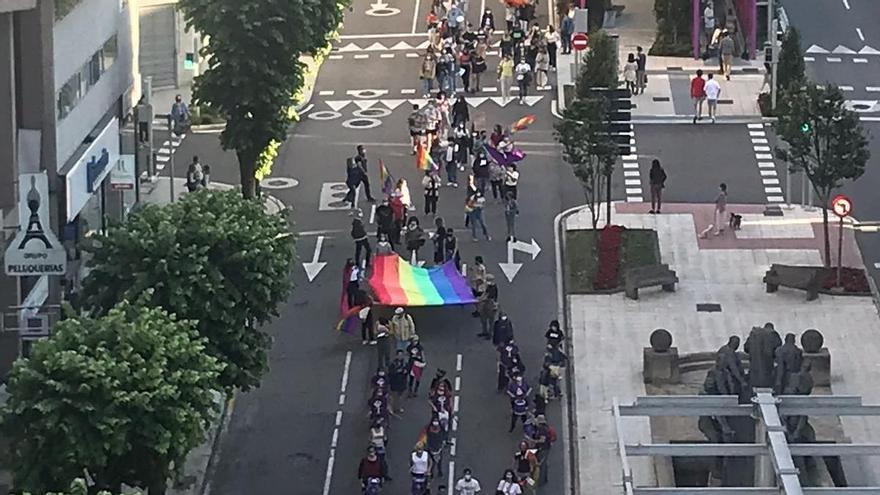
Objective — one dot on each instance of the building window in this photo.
(75, 89)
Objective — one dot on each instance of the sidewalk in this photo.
(159, 192)
(668, 91)
(726, 270)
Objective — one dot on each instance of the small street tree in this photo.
(824, 139)
(791, 70)
(212, 257)
(254, 70)
(589, 149)
(599, 69)
(124, 396)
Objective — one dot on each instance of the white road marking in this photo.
(763, 156)
(755, 126)
(412, 55)
(846, 88)
(846, 4)
(768, 173)
(873, 89)
(458, 363)
(416, 17)
(757, 133)
(634, 165)
(632, 182)
(372, 213)
(635, 199)
(773, 190)
(766, 165)
(326, 93)
(832, 60)
(775, 199)
(335, 57)
(859, 32)
(877, 266)
(630, 173)
(361, 56)
(759, 140)
(809, 59)
(407, 91)
(761, 148)
(331, 460)
(860, 61)
(633, 190)
(386, 55)
(770, 182)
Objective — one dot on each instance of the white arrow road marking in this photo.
(475, 101)
(500, 101)
(844, 50)
(314, 267)
(365, 104)
(351, 47)
(816, 49)
(375, 47)
(868, 50)
(392, 103)
(510, 269)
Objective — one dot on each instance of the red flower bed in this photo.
(610, 239)
(853, 280)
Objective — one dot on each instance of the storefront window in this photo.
(69, 95)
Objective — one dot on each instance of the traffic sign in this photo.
(841, 205)
(579, 41)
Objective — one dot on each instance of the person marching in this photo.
(431, 184)
(402, 328)
(417, 364)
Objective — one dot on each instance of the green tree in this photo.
(254, 70)
(599, 69)
(123, 396)
(673, 27)
(824, 139)
(791, 70)
(212, 257)
(590, 150)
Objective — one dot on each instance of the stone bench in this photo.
(794, 277)
(649, 276)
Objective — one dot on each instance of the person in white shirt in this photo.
(467, 485)
(523, 73)
(713, 91)
(508, 484)
(709, 21)
(419, 462)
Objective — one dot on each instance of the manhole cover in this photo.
(372, 112)
(324, 115)
(361, 123)
(279, 183)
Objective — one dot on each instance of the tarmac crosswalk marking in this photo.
(766, 165)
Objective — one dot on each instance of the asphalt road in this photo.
(279, 436)
(833, 25)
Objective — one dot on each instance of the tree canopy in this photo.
(254, 70)
(791, 70)
(599, 69)
(122, 396)
(212, 257)
(824, 139)
(588, 148)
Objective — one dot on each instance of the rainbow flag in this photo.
(398, 283)
(386, 178)
(522, 124)
(350, 321)
(424, 161)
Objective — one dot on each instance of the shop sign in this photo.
(86, 175)
(34, 250)
(122, 175)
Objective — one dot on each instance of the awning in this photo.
(395, 282)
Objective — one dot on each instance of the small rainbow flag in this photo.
(398, 283)
(386, 178)
(522, 123)
(350, 320)
(423, 159)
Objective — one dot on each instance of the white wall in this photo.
(76, 38)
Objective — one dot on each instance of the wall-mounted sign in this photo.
(122, 175)
(35, 250)
(85, 177)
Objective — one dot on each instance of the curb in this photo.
(569, 415)
(223, 420)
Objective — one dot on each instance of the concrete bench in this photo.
(649, 276)
(795, 277)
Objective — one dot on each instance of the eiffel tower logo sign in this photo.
(35, 250)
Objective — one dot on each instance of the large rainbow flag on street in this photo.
(395, 282)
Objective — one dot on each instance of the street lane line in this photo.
(770, 182)
(776, 199)
(331, 460)
(326, 93)
(859, 32)
(757, 134)
(763, 156)
(335, 57)
(846, 4)
(766, 165)
(809, 59)
(759, 140)
(361, 56)
(755, 126)
(768, 173)
(635, 199)
(872, 89)
(832, 60)
(630, 173)
(761, 149)
(633, 190)
(386, 55)
(412, 55)
(415, 17)
(458, 363)
(860, 61)
(846, 88)
(407, 91)
(774, 190)
(372, 213)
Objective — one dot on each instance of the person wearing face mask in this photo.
(435, 443)
(467, 484)
(502, 331)
(518, 391)
(509, 484)
(372, 466)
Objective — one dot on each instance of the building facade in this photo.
(68, 82)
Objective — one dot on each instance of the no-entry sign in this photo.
(579, 41)
(841, 205)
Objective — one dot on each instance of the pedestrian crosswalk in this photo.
(381, 47)
(373, 93)
(168, 144)
(766, 164)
